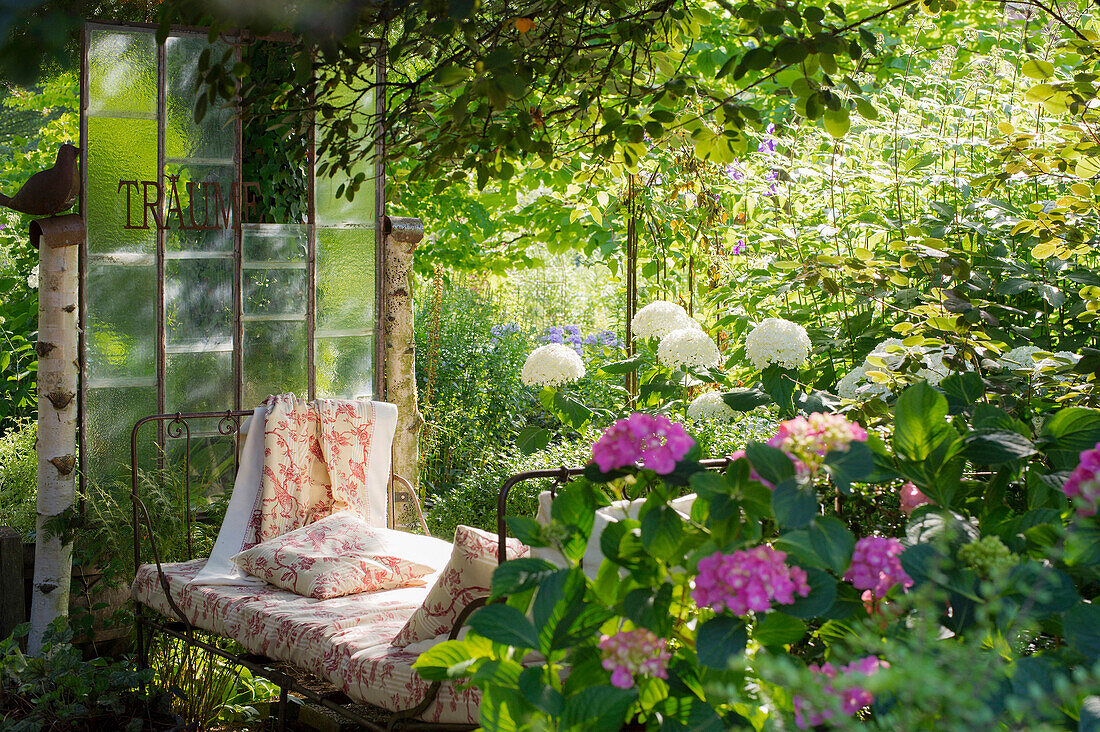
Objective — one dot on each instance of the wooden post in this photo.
(12, 612)
(401, 237)
(58, 363)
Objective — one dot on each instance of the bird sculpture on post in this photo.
(49, 192)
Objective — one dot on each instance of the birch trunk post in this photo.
(401, 237)
(58, 277)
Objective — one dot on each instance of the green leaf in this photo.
(837, 122)
(623, 367)
(779, 384)
(720, 639)
(920, 422)
(866, 109)
(504, 624)
(793, 506)
(771, 463)
(744, 400)
(662, 531)
(994, 447)
(1081, 626)
(1068, 433)
(821, 598)
(832, 542)
(450, 659)
(597, 708)
(757, 59)
(962, 390)
(538, 693)
(853, 465)
(532, 439)
(1037, 68)
(776, 628)
(519, 575)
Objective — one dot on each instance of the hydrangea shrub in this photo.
(764, 609)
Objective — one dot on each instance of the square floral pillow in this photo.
(466, 577)
(341, 555)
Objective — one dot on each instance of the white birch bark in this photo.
(57, 384)
(402, 236)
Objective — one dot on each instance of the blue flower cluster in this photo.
(498, 331)
(570, 335)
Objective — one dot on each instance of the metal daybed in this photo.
(164, 604)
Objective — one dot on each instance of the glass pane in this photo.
(122, 73)
(203, 196)
(212, 460)
(274, 243)
(330, 209)
(199, 382)
(111, 415)
(121, 150)
(345, 280)
(212, 138)
(198, 300)
(121, 336)
(344, 367)
(274, 360)
(274, 292)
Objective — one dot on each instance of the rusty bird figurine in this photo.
(49, 191)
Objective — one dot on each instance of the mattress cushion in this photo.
(346, 640)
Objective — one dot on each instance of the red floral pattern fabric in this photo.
(466, 577)
(346, 639)
(340, 555)
(316, 462)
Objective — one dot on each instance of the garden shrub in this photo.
(772, 607)
(468, 381)
(19, 477)
(473, 502)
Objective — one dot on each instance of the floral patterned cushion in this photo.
(466, 577)
(342, 555)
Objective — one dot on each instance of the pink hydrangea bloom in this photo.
(876, 565)
(911, 497)
(631, 652)
(653, 440)
(852, 699)
(807, 440)
(747, 580)
(1084, 482)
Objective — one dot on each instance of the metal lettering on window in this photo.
(208, 192)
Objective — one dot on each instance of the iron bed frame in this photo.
(175, 426)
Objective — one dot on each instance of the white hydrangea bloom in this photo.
(892, 351)
(1060, 358)
(710, 406)
(552, 365)
(32, 278)
(690, 347)
(658, 319)
(849, 383)
(777, 341)
(1020, 358)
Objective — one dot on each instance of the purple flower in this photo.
(653, 440)
(748, 580)
(739, 247)
(876, 565)
(734, 173)
(553, 334)
(767, 145)
(771, 178)
(632, 652)
(1084, 482)
(852, 699)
